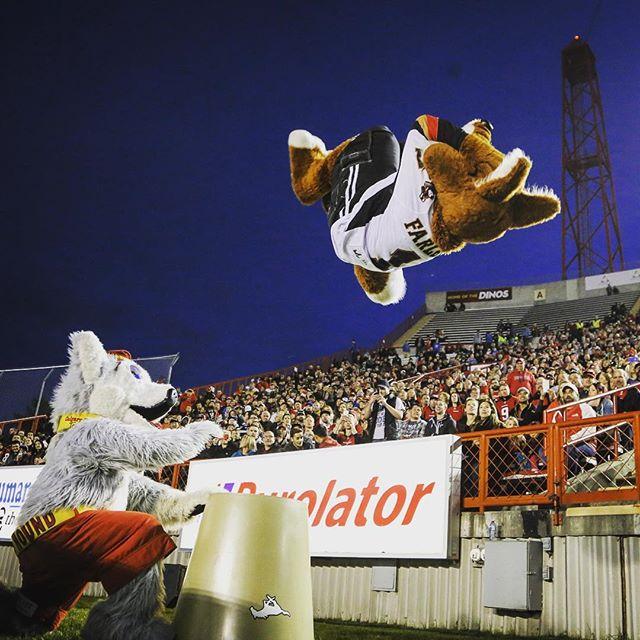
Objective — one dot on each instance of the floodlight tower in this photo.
(591, 241)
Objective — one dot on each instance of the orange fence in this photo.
(575, 462)
(32, 424)
(552, 465)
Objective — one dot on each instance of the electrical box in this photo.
(384, 575)
(512, 575)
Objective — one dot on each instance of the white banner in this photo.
(396, 499)
(615, 279)
(15, 483)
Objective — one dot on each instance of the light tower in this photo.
(591, 241)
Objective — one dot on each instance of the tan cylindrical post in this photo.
(249, 577)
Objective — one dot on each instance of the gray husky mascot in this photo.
(91, 515)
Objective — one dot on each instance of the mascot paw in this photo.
(310, 178)
(207, 428)
(197, 510)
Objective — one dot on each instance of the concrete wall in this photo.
(523, 296)
(594, 592)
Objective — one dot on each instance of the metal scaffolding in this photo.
(591, 241)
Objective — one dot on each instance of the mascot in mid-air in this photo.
(91, 515)
(390, 209)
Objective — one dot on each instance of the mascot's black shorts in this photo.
(371, 157)
(367, 159)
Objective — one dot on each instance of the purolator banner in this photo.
(15, 483)
(392, 499)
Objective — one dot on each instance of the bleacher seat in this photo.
(556, 314)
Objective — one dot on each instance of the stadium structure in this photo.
(540, 545)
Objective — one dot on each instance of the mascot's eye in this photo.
(136, 372)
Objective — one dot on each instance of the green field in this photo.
(70, 630)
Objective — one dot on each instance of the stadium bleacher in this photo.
(462, 326)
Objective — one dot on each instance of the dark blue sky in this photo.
(146, 192)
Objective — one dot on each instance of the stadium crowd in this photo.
(507, 379)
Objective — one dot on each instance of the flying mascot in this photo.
(91, 515)
(390, 208)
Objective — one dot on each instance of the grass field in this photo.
(70, 630)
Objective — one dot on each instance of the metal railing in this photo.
(27, 391)
(560, 409)
(33, 424)
(557, 464)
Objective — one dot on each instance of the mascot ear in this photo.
(506, 179)
(533, 206)
(87, 351)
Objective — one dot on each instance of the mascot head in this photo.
(108, 385)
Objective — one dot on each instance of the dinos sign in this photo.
(480, 295)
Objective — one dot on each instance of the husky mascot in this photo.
(389, 209)
(91, 515)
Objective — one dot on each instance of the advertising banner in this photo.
(15, 483)
(398, 499)
(480, 295)
(615, 279)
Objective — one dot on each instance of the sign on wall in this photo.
(15, 483)
(480, 295)
(539, 295)
(396, 499)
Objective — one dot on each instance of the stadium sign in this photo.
(480, 295)
(396, 499)
(15, 483)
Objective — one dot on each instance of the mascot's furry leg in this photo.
(131, 613)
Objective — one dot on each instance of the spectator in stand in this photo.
(440, 423)
(413, 426)
(505, 403)
(487, 416)
(345, 431)
(581, 445)
(296, 442)
(15, 456)
(268, 444)
(525, 410)
(521, 377)
(383, 411)
(247, 447)
(470, 417)
(627, 400)
(569, 393)
(602, 406)
(322, 437)
(456, 408)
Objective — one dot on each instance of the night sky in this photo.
(146, 192)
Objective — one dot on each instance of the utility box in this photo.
(512, 575)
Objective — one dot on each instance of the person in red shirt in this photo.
(521, 377)
(456, 408)
(322, 437)
(505, 402)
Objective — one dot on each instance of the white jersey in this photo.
(401, 234)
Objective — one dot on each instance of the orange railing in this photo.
(579, 461)
(32, 424)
